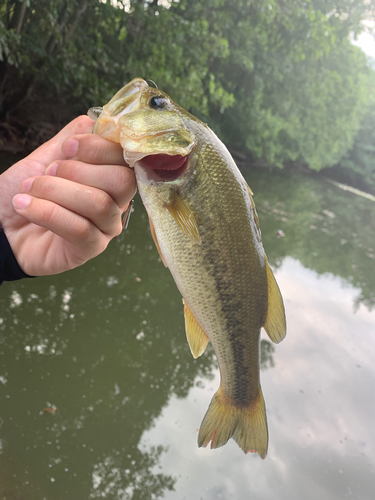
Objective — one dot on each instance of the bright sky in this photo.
(367, 44)
(366, 41)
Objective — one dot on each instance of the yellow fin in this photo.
(154, 237)
(196, 337)
(246, 425)
(254, 210)
(184, 217)
(275, 324)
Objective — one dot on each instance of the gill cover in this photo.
(145, 121)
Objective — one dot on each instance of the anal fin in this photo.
(196, 337)
(275, 324)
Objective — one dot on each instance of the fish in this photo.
(205, 227)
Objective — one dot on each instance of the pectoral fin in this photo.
(197, 338)
(275, 324)
(154, 237)
(184, 217)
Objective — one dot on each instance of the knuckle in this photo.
(43, 187)
(81, 124)
(91, 148)
(113, 226)
(101, 151)
(125, 176)
(96, 245)
(118, 228)
(49, 213)
(103, 202)
(83, 230)
(94, 149)
(124, 185)
(66, 169)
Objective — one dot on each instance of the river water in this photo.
(105, 345)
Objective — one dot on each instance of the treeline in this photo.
(277, 78)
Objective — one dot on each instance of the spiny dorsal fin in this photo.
(196, 337)
(154, 237)
(275, 324)
(184, 217)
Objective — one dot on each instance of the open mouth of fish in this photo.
(166, 167)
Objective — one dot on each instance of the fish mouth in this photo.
(165, 167)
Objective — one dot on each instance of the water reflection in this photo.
(105, 344)
(319, 404)
(326, 229)
(111, 480)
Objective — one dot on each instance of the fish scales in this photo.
(207, 274)
(205, 227)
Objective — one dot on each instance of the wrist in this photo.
(9, 267)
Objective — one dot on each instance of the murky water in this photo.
(105, 344)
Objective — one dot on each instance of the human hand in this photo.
(61, 205)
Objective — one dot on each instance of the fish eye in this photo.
(158, 102)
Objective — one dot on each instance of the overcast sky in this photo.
(367, 43)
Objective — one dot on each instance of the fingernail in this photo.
(26, 185)
(70, 148)
(21, 201)
(51, 169)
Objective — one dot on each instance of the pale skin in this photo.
(61, 205)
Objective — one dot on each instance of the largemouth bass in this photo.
(205, 227)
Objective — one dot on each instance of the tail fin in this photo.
(246, 425)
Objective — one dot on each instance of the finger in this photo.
(92, 148)
(51, 150)
(70, 226)
(91, 203)
(118, 181)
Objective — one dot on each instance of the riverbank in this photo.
(26, 128)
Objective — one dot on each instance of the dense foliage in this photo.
(357, 166)
(280, 79)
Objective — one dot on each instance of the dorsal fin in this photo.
(275, 324)
(254, 210)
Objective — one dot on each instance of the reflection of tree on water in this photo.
(326, 229)
(106, 344)
(266, 351)
(111, 480)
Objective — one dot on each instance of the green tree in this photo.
(299, 85)
(358, 165)
(278, 78)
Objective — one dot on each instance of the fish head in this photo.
(149, 126)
